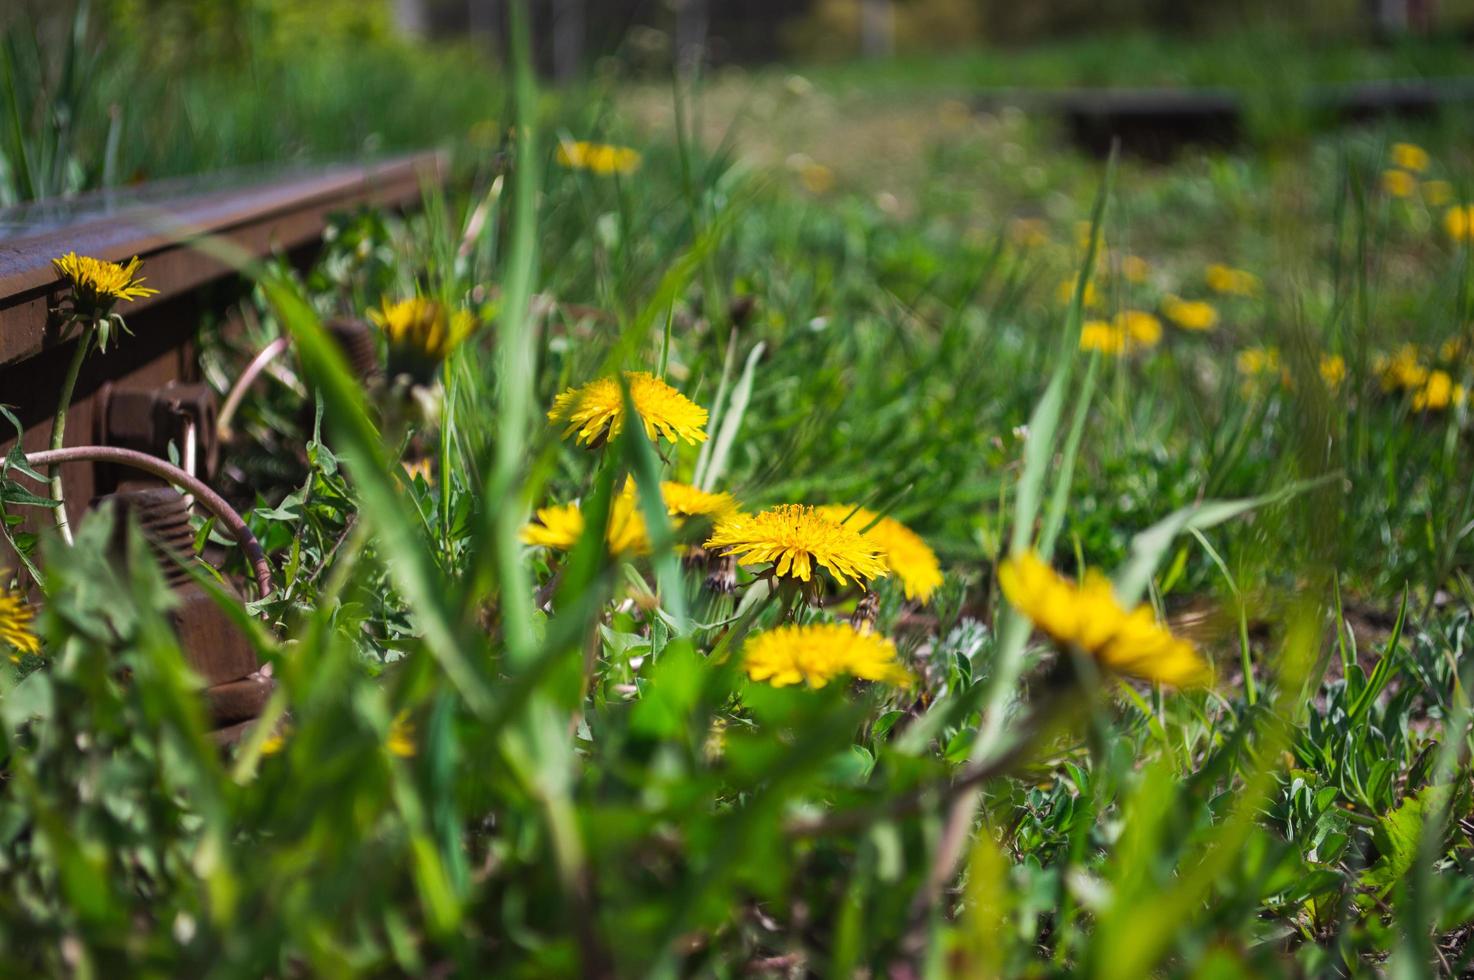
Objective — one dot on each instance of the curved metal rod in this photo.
(238, 390)
(165, 470)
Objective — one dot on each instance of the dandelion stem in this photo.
(59, 429)
(238, 390)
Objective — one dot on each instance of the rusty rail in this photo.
(131, 404)
(284, 215)
(1159, 122)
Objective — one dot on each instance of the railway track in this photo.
(146, 394)
(1157, 123)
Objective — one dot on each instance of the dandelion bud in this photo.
(721, 574)
(863, 618)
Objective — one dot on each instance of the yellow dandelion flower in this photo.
(1140, 328)
(1129, 330)
(1438, 393)
(1458, 221)
(1087, 616)
(560, 527)
(683, 500)
(1332, 370)
(794, 538)
(422, 330)
(1193, 315)
(97, 285)
(1136, 269)
(1409, 156)
(401, 740)
(1399, 183)
(1098, 335)
(1028, 232)
(423, 468)
(816, 178)
(277, 740)
(1451, 350)
(1402, 370)
(1229, 281)
(1066, 293)
(906, 554)
(1437, 192)
(818, 653)
(15, 625)
(598, 158)
(1082, 236)
(596, 411)
(1258, 360)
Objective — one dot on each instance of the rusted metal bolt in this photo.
(150, 419)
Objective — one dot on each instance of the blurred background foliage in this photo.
(105, 93)
(115, 92)
(833, 27)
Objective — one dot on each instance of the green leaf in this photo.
(1150, 546)
(1397, 834)
(1383, 672)
(710, 477)
(675, 683)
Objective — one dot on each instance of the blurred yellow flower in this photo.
(1088, 617)
(1437, 192)
(816, 178)
(1066, 293)
(1098, 335)
(1404, 369)
(1141, 329)
(683, 500)
(1458, 221)
(277, 740)
(1438, 392)
(1082, 235)
(557, 527)
(1129, 330)
(1135, 268)
(97, 285)
(595, 412)
(598, 158)
(1332, 370)
(794, 538)
(1230, 281)
(816, 654)
(1258, 360)
(1399, 183)
(421, 329)
(1409, 156)
(15, 625)
(1028, 232)
(1190, 314)
(401, 740)
(908, 557)
(560, 527)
